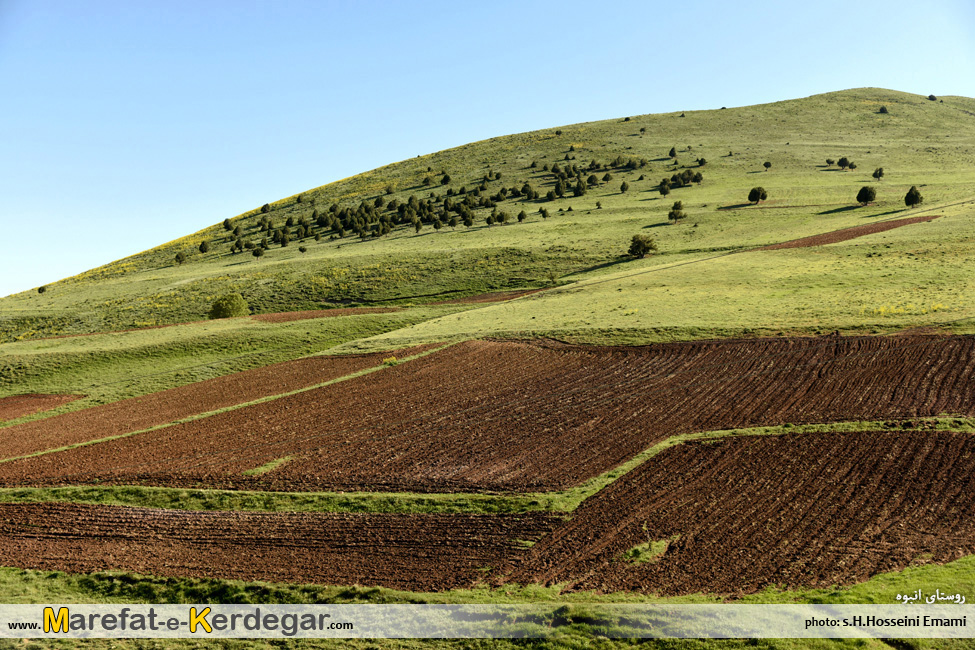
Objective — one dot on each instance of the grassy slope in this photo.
(920, 142)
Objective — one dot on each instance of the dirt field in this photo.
(288, 316)
(159, 408)
(418, 552)
(513, 416)
(849, 233)
(803, 510)
(17, 406)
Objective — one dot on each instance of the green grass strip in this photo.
(200, 416)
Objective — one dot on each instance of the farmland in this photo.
(777, 404)
(555, 416)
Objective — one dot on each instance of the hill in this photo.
(400, 257)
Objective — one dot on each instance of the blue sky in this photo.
(127, 124)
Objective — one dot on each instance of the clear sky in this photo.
(125, 124)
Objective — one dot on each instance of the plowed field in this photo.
(849, 233)
(17, 406)
(419, 552)
(159, 408)
(803, 510)
(527, 416)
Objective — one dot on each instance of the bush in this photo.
(204, 247)
(757, 194)
(883, 110)
(258, 252)
(180, 257)
(913, 197)
(641, 246)
(229, 306)
(767, 165)
(41, 289)
(866, 195)
(265, 208)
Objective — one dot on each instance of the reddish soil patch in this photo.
(512, 416)
(848, 233)
(415, 552)
(154, 409)
(803, 510)
(18, 406)
(288, 316)
(495, 296)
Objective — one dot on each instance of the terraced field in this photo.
(514, 416)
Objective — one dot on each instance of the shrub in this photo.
(265, 208)
(226, 224)
(913, 197)
(932, 98)
(204, 247)
(883, 110)
(767, 165)
(641, 246)
(229, 306)
(41, 289)
(302, 249)
(180, 257)
(843, 162)
(390, 361)
(257, 252)
(878, 173)
(624, 186)
(757, 194)
(866, 195)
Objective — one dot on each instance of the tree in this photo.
(677, 213)
(843, 162)
(302, 249)
(579, 189)
(265, 208)
(853, 165)
(883, 110)
(757, 194)
(830, 162)
(932, 98)
(42, 289)
(672, 153)
(180, 257)
(204, 247)
(767, 165)
(229, 306)
(664, 189)
(913, 197)
(258, 252)
(624, 186)
(866, 195)
(641, 246)
(445, 180)
(607, 177)
(427, 181)
(878, 173)
(701, 162)
(226, 224)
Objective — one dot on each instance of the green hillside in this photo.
(358, 251)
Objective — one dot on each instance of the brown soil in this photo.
(802, 510)
(495, 296)
(18, 406)
(415, 552)
(848, 233)
(515, 416)
(151, 410)
(288, 316)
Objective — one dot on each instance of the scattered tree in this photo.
(757, 194)
(672, 153)
(258, 252)
(701, 162)
(180, 257)
(913, 197)
(229, 306)
(843, 162)
(767, 165)
(830, 162)
(664, 189)
(878, 173)
(641, 246)
(932, 98)
(607, 177)
(853, 165)
(624, 186)
(302, 249)
(445, 180)
(204, 247)
(866, 195)
(226, 224)
(883, 110)
(42, 289)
